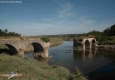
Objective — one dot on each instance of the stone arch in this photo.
(87, 43)
(91, 41)
(38, 50)
(11, 49)
(37, 47)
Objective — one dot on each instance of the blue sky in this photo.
(50, 17)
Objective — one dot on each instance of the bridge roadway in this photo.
(19, 46)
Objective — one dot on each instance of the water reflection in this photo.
(84, 54)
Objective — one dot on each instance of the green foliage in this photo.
(105, 37)
(45, 39)
(110, 31)
(74, 39)
(54, 41)
(98, 35)
(6, 33)
(106, 31)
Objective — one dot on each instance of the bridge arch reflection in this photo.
(85, 54)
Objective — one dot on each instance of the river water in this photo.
(97, 64)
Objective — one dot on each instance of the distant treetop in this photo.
(110, 31)
(4, 33)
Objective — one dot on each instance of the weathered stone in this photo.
(21, 46)
(76, 44)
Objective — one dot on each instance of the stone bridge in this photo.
(18, 46)
(84, 41)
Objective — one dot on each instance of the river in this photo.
(95, 64)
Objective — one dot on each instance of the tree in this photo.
(6, 30)
(112, 30)
(106, 31)
(6, 33)
(98, 35)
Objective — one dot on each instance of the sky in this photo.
(52, 17)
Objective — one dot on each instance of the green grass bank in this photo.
(34, 70)
(55, 41)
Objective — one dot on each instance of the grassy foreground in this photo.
(34, 70)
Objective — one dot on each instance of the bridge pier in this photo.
(95, 51)
(83, 46)
(46, 52)
(90, 53)
(83, 55)
(96, 43)
(90, 45)
(21, 52)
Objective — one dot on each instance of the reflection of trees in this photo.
(107, 53)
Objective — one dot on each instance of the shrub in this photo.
(45, 39)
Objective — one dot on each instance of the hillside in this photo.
(34, 70)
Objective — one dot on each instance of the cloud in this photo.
(66, 14)
(86, 19)
(65, 11)
(69, 21)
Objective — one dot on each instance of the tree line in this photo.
(110, 31)
(107, 36)
(5, 33)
